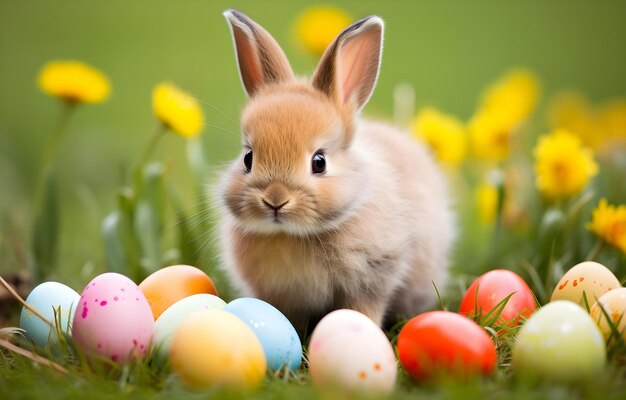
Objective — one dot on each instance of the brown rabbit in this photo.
(323, 209)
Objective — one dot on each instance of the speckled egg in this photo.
(171, 319)
(348, 350)
(614, 305)
(278, 337)
(215, 348)
(45, 299)
(559, 342)
(113, 319)
(591, 277)
(170, 284)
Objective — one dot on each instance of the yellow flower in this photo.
(563, 166)
(514, 96)
(487, 201)
(612, 119)
(318, 26)
(609, 223)
(74, 81)
(491, 135)
(572, 111)
(504, 107)
(444, 134)
(177, 110)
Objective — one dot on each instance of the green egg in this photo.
(560, 342)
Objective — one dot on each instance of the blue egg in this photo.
(46, 298)
(277, 336)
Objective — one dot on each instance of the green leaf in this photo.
(197, 161)
(119, 244)
(46, 229)
(149, 215)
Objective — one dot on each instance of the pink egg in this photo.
(113, 319)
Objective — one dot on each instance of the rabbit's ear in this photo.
(349, 67)
(261, 60)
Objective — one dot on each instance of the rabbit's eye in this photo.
(247, 160)
(318, 163)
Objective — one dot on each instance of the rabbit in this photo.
(324, 209)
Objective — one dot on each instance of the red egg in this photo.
(443, 343)
(495, 286)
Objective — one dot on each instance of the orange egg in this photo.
(170, 284)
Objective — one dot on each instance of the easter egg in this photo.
(559, 342)
(45, 299)
(590, 277)
(170, 320)
(349, 351)
(613, 305)
(486, 292)
(170, 284)
(113, 319)
(215, 348)
(278, 337)
(441, 343)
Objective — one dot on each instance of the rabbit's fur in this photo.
(372, 233)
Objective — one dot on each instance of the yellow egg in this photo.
(590, 277)
(614, 305)
(215, 348)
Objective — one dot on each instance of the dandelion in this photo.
(74, 82)
(612, 119)
(563, 166)
(318, 26)
(514, 96)
(504, 107)
(487, 201)
(491, 135)
(608, 222)
(598, 127)
(177, 110)
(571, 111)
(444, 134)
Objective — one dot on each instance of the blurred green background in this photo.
(448, 50)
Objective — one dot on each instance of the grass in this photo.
(447, 51)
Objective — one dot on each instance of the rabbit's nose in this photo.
(275, 196)
(274, 207)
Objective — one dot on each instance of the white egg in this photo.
(349, 351)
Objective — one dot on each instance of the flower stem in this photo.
(157, 133)
(595, 250)
(52, 145)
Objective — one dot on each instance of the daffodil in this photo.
(318, 26)
(563, 166)
(444, 134)
(177, 110)
(74, 82)
(487, 202)
(609, 223)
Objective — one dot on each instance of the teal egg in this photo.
(46, 298)
(173, 317)
(278, 337)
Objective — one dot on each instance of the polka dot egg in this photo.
(113, 319)
(590, 277)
